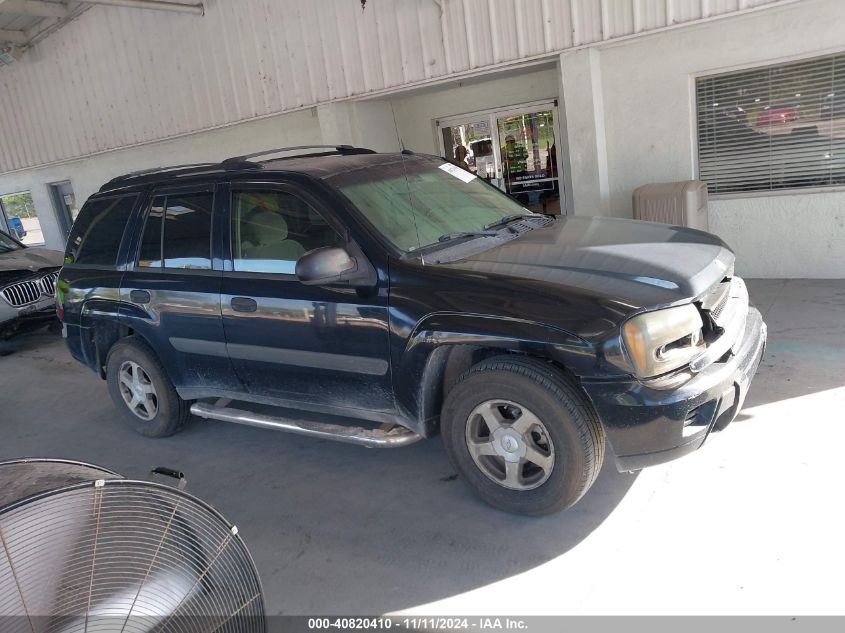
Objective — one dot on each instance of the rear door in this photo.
(171, 289)
(322, 345)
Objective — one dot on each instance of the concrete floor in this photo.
(750, 524)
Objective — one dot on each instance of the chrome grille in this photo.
(25, 292)
(48, 283)
(733, 312)
(716, 300)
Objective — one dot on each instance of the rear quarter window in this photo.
(97, 232)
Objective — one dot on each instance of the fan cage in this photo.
(114, 554)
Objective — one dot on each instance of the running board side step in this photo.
(392, 437)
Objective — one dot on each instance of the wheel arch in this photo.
(102, 328)
(493, 466)
(443, 347)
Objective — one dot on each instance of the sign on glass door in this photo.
(529, 160)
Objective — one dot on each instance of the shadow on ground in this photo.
(343, 529)
(333, 528)
(806, 345)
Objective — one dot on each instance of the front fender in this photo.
(419, 371)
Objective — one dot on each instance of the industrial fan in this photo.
(83, 549)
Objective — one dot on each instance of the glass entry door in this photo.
(514, 150)
(529, 160)
(65, 203)
(470, 145)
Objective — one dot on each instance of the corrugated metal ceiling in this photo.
(117, 77)
(15, 22)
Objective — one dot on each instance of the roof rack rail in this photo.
(340, 149)
(156, 170)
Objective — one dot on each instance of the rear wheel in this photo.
(142, 391)
(522, 435)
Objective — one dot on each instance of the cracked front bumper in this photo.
(647, 423)
(15, 320)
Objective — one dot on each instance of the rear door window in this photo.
(97, 232)
(150, 254)
(177, 232)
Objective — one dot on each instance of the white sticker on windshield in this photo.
(457, 172)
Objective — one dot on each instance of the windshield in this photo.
(419, 200)
(7, 244)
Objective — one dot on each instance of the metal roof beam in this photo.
(196, 8)
(13, 37)
(37, 8)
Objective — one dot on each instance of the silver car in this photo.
(27, 286)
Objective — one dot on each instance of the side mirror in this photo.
(329, 265)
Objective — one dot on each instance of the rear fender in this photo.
(99, 329)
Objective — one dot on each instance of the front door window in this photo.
(273, 229)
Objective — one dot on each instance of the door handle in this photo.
(243, 304)
(139, 296)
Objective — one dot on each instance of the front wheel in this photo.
(142, 391)
(522, 435)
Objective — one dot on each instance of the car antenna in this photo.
(396, 127)
(402, 155)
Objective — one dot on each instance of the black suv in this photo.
(403, 292)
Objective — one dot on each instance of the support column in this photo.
(362, 123)
(336, 123)
(586, 173)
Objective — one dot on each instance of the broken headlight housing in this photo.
(663, 340)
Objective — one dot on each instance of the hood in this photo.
(630, 262)
(30, 260)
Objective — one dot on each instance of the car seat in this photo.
(268, 238)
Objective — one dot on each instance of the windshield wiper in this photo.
(511, 218)
(460, 234)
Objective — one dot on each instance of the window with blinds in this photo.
(775, 127)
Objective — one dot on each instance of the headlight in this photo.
(663, 340)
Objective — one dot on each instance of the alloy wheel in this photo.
(510, 445)
(138, 390)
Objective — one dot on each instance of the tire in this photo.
(160, 416)
(569, 439)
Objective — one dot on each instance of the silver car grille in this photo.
(30, 291)
(729, 311)
(717, 299)
(48, 283)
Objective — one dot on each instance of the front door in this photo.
(320, 345)
(171, 291)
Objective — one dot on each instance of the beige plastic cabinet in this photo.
(679, 203)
